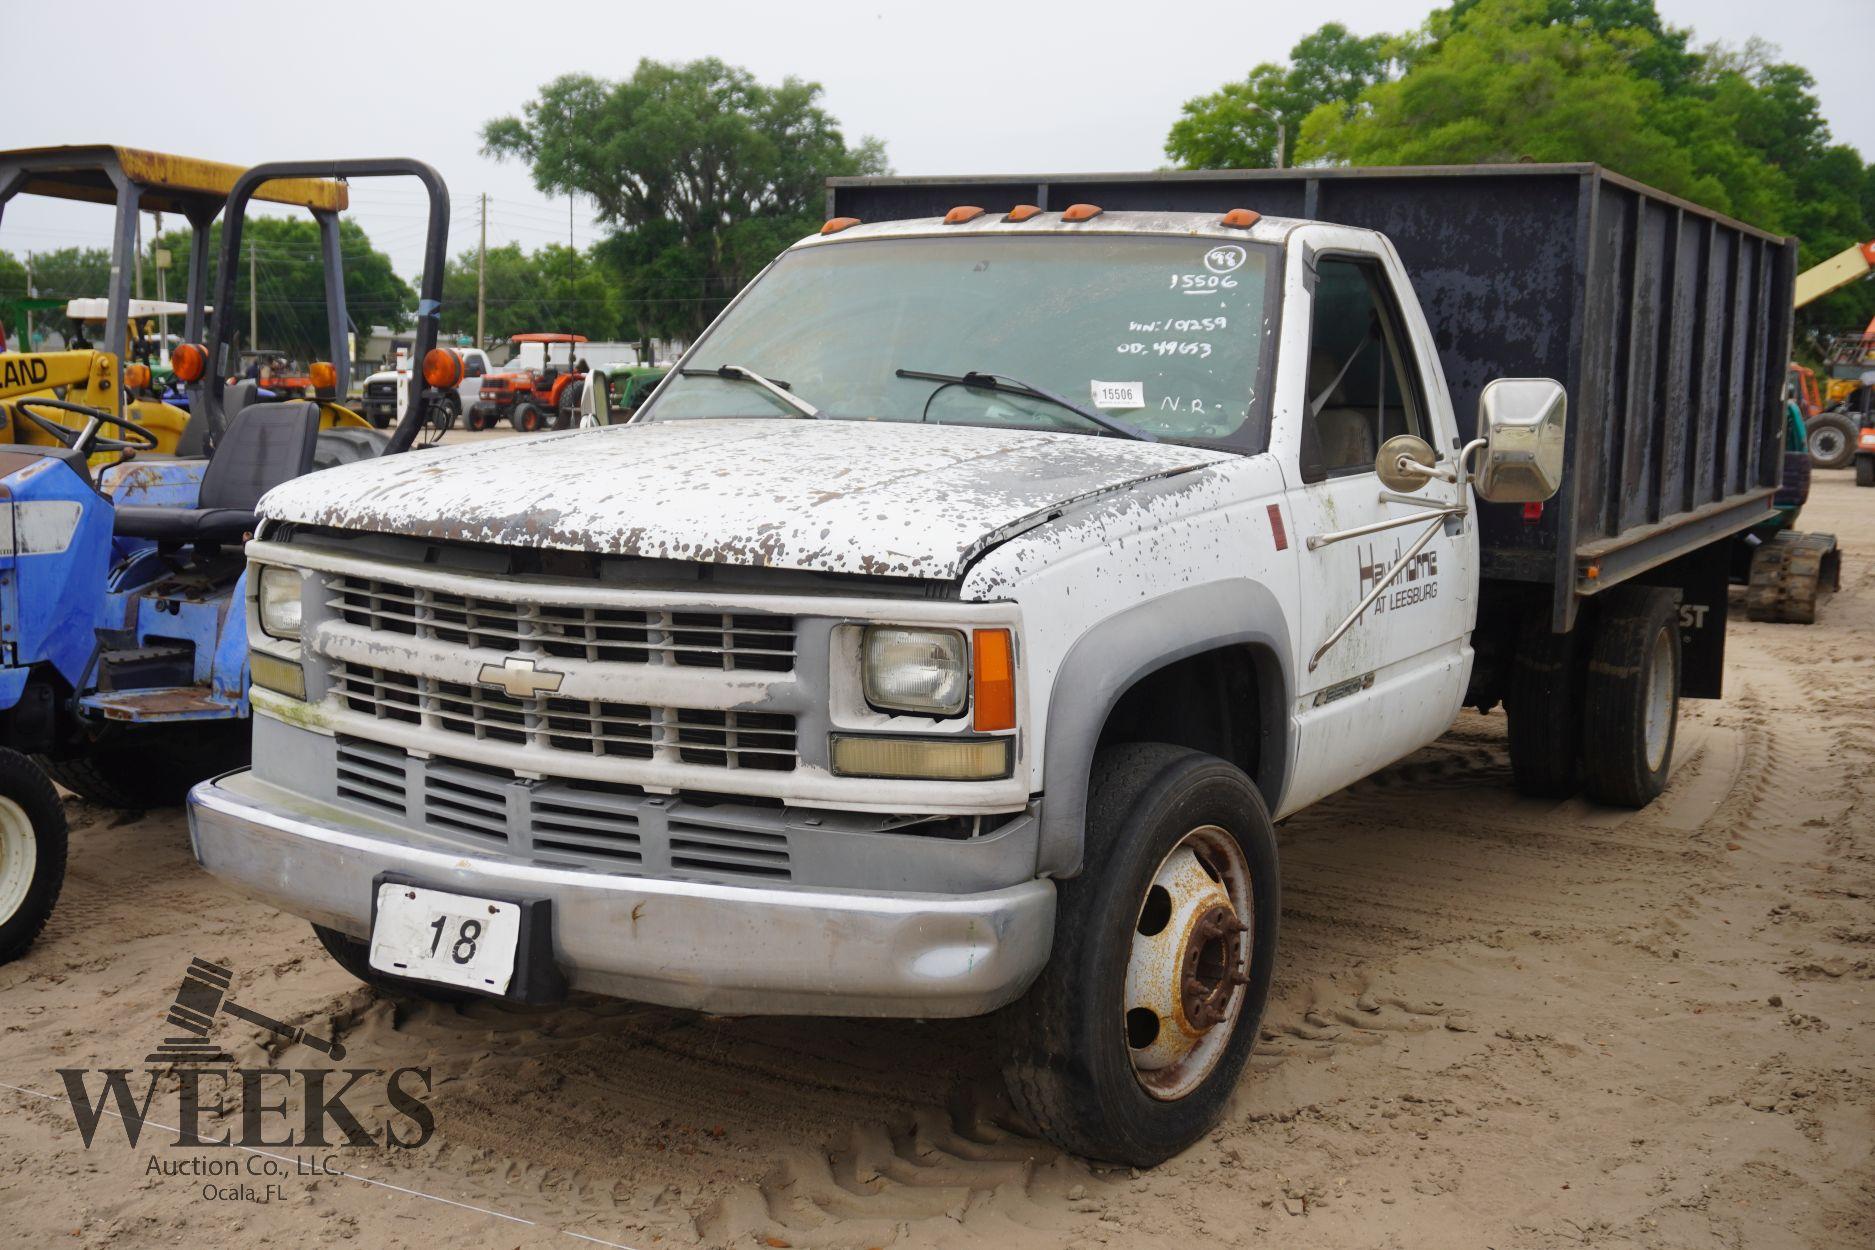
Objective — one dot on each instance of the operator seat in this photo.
(263, 446)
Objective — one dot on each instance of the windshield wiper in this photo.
(741, 373)
(1011, 386)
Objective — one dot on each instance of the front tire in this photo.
(566, 413)
(32, 852)
(1129, 1044)
(1631, 698)
(525, 418)
(1830, 437)
(1865, 470)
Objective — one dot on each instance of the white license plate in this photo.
(431, 935)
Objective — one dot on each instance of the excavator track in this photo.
(1789, 573)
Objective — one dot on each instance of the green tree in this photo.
(1607, 81)
(289, 278)
(1236, 126)
(1502, 84)
(12, 276)
(685, 161)
(72, 272)
(555, 288)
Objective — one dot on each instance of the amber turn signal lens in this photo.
(993, 673)
(442, 367)
(922, 759)
(136, 377)
(836, 224)
(190, 362)
(324, 376)
(273, 673)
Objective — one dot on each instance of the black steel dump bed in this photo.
(1669, 325)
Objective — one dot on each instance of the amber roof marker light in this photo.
(836, 224)
(1240, 218)
(961, 214)
(1081, 212)
(1022, 212)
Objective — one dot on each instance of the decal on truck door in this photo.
(1417, 583)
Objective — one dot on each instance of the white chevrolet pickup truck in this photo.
(945, 634)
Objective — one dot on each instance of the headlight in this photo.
(280, 601)
(915, 670)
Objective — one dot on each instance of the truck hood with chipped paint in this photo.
(877, 498)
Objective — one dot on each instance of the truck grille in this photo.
(611, 827)
(381, 390)
(617, 635)
(720, 739)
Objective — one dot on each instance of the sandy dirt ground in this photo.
(1498, 1023)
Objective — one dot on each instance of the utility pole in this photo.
(569, 220)
(26, 344)
(481, 280)
(253, 301)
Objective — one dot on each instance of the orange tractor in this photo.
(532, 399)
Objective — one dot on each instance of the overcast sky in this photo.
(1044, 86)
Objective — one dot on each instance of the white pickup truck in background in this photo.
(946, 632)
(386, 392)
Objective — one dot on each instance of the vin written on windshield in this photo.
(1169, 335)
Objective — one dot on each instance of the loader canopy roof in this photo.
(170, 184)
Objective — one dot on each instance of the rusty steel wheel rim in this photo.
(1188, 964)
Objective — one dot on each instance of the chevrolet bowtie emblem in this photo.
(519, 677)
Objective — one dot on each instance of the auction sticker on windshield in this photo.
(1119, 394)
(433, 935)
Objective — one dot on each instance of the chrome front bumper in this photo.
(744, 950)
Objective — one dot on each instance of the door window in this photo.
(1362, 385)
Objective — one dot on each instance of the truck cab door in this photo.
(1365, 371)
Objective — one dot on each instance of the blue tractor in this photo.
(123, 647)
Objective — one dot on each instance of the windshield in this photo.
(1167, 334)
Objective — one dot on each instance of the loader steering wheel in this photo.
(86, 440)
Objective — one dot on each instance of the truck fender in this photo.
(1113, 656)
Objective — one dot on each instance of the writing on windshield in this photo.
(1165, 334)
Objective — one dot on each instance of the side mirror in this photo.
(1405, 462)
(1521, 421)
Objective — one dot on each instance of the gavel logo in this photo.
(203, 995)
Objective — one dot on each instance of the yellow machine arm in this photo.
(28, 373)
(1835, 273)
(88, 378)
